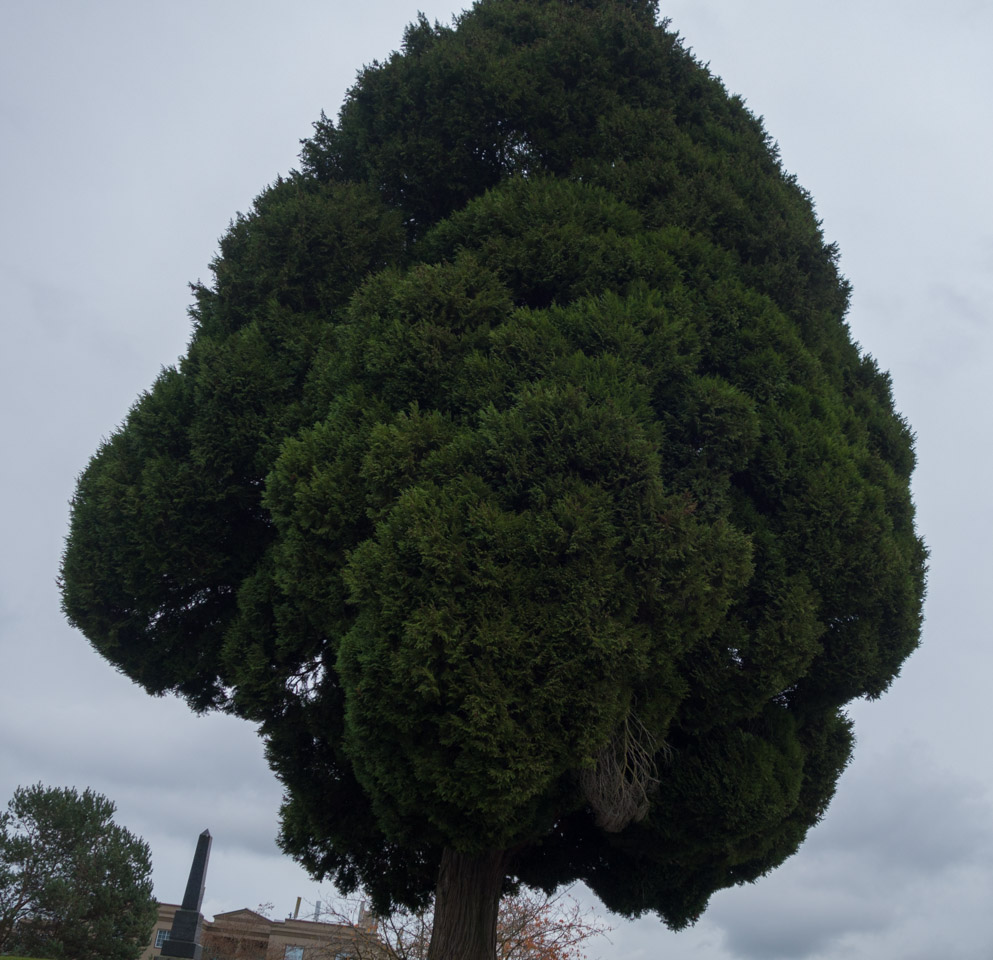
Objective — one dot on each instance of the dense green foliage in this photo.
(521, 435)
(73, 884)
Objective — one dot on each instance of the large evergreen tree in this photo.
(522, 481)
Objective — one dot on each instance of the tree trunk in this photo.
(466, 905)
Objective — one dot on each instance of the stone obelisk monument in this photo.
(184, 938)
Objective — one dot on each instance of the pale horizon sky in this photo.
(132, 133)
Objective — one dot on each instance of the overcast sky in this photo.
(131, 132)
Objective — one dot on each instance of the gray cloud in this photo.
(905, 813)
(900, 826)
(806, 919)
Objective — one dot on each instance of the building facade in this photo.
(247, 935)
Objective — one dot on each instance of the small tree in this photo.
(73, 884)
(536, 926)
(530, 926)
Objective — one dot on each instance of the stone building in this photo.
(247, 935)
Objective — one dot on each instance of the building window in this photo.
(293, 953)
(161, 936)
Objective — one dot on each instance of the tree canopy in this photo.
(73, 884)
(522, 479)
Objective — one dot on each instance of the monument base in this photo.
(184, 937)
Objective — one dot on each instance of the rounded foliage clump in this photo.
(522, 479)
